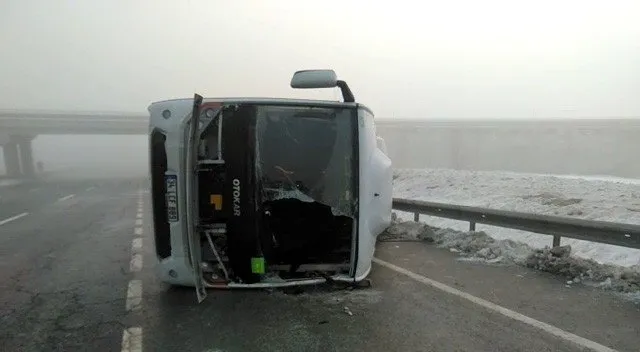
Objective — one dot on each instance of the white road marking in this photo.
(66, 197)
(132, 340)
(8, 220)
(134, 295)
(136, 244)
(135, 264)
(90, 188)
(132, 337)
(564, 335)
(33, 190)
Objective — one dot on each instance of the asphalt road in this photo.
(76, 271)
(64, 266)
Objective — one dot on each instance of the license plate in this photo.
(171, 182)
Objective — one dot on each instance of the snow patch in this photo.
(479, 246)
(609, 277)
(583, 197)
(476, 244)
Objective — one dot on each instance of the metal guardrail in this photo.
(626, 235)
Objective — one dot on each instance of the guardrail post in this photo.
(556, 240)
(416, 217)
(472, 226)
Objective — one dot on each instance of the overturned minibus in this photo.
(255, 192)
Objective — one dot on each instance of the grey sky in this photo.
(402, 58)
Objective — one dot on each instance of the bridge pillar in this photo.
(11, 159)
(26, 156)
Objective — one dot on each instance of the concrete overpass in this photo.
(34, 123)
(18, 128)
(605, 146)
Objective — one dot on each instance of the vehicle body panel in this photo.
(181, 266)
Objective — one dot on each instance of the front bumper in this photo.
(176, 271)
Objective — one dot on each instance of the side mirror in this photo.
(305, 79)
(314, 79)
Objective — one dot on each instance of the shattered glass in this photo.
(307, 153)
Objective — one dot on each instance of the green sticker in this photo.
(257, 265)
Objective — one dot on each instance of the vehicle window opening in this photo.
(158, 166)
(303, 193)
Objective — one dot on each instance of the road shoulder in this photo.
(588, 312)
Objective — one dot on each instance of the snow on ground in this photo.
(478, 246)
(585, 197)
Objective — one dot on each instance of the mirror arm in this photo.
(346, 92)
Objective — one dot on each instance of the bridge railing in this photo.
(626, 235)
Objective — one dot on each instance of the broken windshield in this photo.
(307, 153)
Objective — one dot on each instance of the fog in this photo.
(91, 156)
(404, 59)
(563, 147)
